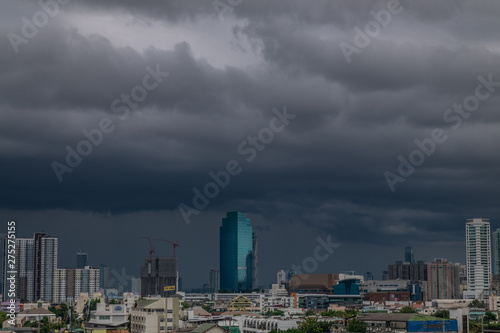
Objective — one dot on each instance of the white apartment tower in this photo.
(478, 247)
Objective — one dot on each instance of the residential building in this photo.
(236, 253)
(478, 255)
(36, 263)
(281, 276)
(409, 255)
(443, 280)
(112, 315)
(155, 315)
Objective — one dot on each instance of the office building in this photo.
(407, 271)
(104, 276)
(255, 261)
(82, 260)
(478, 257)
(409, 255)
(214, 281)
(280, 277)
(443, 280)
(236, 253)
(157, 274)
(136, 286)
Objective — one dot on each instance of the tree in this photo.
(477, 304)
(489, 316)
(113, 301)
(407, 309)
(3, 317)
(445, 314)
(185, 305)
(310, 325)
(309, 313)
(357, 326)
(207, 308)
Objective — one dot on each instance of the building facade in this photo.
(443, 280)
(496, 252)
(236, 253)
(155, 315)
(158, 273)
(214, 281)
(478, 254)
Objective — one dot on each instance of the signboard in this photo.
(432, 326)
(169, 288)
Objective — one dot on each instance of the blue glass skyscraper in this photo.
(236, 252)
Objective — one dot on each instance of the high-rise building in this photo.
(214, 281)
(496, 252)
(136, 286)
(443, 280)
(255, 261)
(281, 276)
(82, 260)
(409, 255)
(478, 247)
(406, 271)
(36, 263)
(157, 274)
(105, 276)
(236, 252)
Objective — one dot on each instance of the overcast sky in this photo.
(357, 94)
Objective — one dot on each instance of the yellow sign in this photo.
(169, 288)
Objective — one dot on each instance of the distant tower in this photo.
(496, 252)
(236, 252)
(281, 276)
(409, 255)
(478, 249)
(82, 260)
(214, 281)
(255, 261)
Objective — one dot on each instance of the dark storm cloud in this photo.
(323, 173)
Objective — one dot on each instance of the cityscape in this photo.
(250, 166)
(35, 287)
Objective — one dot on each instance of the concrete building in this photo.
(385, 285)
(478, 254)
(214, 281)
(36, 263)
(158, 273)
(318, 283)
(443, 280)
(112, 315)
(136, 286)
(495, 241)
(280, 276)
(155, 315)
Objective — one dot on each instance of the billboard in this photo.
(432, 326)
(169, 288)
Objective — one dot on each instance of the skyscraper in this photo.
(478, 253)
(36, 265)
(82, 260)
(409, 255)
(496, 252)
(236, 252)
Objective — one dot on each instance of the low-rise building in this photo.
(155, 315)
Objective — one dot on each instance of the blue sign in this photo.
(432, 326)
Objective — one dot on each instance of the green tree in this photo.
(312, 325)
(112, 301)
(207, 308)
(407, 309)
(185, 305)
(3, 317)
(357, 326)
(309, 313)
(445, 314)
(477, 304)
(489, 316)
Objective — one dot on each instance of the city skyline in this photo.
(371, 125)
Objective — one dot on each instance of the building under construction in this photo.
(159, 277)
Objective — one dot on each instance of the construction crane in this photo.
(175, 244)
(151, 251)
